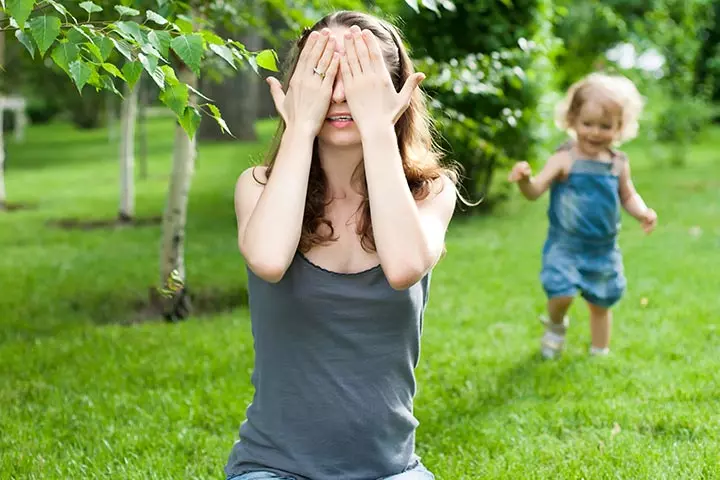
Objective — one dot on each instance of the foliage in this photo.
(708, 65)
(680, 91)
(153, 41)
(487, 87)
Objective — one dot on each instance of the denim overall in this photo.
(581, 253)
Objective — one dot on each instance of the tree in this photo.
(3, 192)
(128, 120)
(173, 38)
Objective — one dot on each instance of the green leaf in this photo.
(132, 72)
(112, 70)
(78, 30)
(223, 52)
(414, 5)
(123, 48)
(196, 92)
(93, 50)
(253, 64)
(131, 12)
(190, 50)
(170, 78)
(242, 50)
(243, 57)
(95, 80)
(154, 17)
(161, 41)
(129, 31)
(44, 30)
(176, 98)
(61, 9)
(20, 10)
(80, 73)
(25, 40)
(267, 60)
(90, 7)
(212, 38)
(65, 53)
(218, 118)
(432, 5)
(150, 50)
(183, 24)
(108, 84)
(150, 65)
(190, 121)
(105, 44)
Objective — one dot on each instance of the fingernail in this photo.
(326, 31)
(348, 34)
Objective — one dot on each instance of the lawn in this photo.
(86, 391)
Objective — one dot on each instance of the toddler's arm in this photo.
(533, 187)
(634, 203)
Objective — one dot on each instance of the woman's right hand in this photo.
(521, 171)
(307, 101)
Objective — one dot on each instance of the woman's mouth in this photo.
(340, 121)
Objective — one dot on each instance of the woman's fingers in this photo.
(277, 94)
(351, 53)
(304, 59)
(327, 56)
(332, 70)
(317, 50)
(376, 56)
(361, 49)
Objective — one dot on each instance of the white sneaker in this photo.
(553, 341)
(599, 352)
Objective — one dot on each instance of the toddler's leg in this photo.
(553, 341)
(600, 326)
(558, 308)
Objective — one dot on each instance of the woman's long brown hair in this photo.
(419, 153)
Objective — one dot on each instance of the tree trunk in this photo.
(128, 119)
(3, 193)
(173, 237)
(142, 127)
(110, 117)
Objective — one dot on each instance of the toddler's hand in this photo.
(649, 220)
(521, 171)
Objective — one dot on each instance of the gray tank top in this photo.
(334, 375)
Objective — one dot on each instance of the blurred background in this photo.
(102, 197)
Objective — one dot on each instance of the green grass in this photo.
(83, 394)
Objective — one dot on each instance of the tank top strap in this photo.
(569, 147)
(618, 159)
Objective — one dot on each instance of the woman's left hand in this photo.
(369, 90)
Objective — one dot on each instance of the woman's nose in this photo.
(338, 93)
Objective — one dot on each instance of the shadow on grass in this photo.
(121, 222)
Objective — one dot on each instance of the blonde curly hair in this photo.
(618, 95)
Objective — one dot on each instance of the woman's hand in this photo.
(307, 100)
(369, 90)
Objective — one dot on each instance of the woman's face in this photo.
(339, 129)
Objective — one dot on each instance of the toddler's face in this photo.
(596, 126)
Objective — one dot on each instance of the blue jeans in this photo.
(419, 472)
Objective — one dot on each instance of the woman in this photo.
(340, 231)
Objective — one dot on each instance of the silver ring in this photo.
(318, 72)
